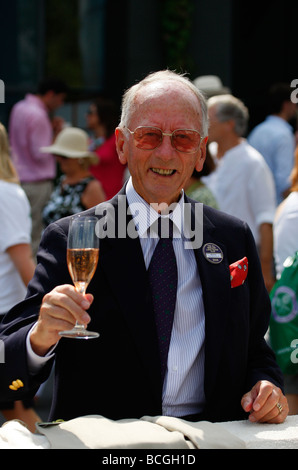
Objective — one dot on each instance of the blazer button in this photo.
(16, 384)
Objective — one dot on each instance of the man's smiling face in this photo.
(159, 175)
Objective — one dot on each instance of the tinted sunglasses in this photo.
(183, 140)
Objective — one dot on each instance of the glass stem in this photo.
(81, 288)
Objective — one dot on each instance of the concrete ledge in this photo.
(152, 433)
(266, 436)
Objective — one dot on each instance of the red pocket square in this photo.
(238, 272)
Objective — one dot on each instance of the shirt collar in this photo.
(144, 214)
(279, 120)
(34, 99)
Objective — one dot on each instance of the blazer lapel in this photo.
(129, 280)
(215, 279)
(130, 284)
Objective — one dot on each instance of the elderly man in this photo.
(212, 362)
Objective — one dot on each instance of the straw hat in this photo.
(211, 85)
(71, 142)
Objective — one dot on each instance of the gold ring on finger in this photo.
(279, 406)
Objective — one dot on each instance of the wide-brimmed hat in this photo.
(211, 85)
(71, 142)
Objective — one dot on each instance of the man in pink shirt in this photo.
(31, 128)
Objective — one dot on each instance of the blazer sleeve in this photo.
(261, 359)
(51, 271)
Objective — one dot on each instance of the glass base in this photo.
(79, 333)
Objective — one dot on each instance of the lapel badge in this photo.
(212, 253)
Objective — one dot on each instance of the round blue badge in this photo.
(212, 253)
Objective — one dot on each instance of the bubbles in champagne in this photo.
(82, 264)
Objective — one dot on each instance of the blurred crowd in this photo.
(50, 170)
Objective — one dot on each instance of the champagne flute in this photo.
(82, 258)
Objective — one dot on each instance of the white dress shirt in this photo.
(285, 231)
(183, 388)
(243, 185)
(15, 229)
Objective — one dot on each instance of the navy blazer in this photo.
(118, 374)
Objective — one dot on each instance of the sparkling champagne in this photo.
(82, 258)
(82, 265)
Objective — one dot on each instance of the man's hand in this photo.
(265, 403)
(60, 309)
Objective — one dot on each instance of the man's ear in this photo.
(120, 145)
(202, 155)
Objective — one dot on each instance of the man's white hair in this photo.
(129, 96)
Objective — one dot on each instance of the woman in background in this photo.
(196, 189)
(285, 235)
(286, 223)
(102, 119)
(77, 189)
(16, 260)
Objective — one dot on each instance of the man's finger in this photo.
(268, 396)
